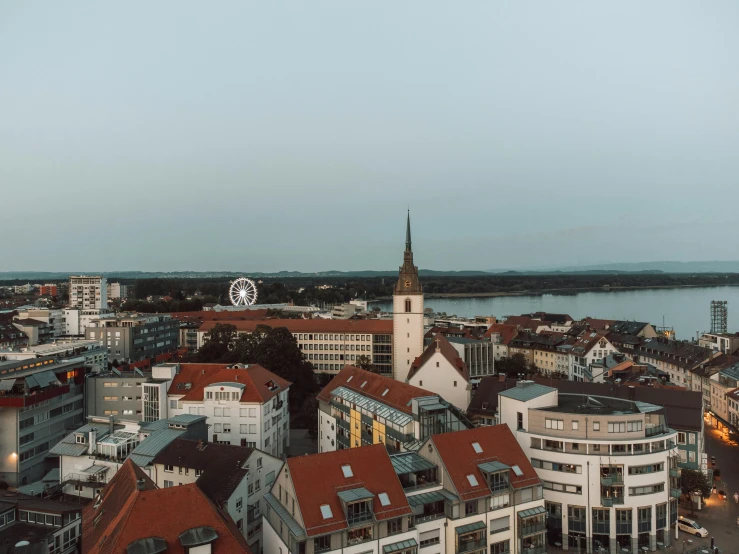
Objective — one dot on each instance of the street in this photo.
(719, 517)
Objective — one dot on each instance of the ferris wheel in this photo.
(243, 292)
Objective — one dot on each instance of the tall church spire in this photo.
(408, 232)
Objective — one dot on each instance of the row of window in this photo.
(320, 336)
(613, 427)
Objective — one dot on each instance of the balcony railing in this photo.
(612, 480)
(674, 472)
(609, 501)
(676, 493)
(471, 545)
(359, 518)
(532, 528)
(429, 517)
(534, 550)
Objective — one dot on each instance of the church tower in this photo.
(407, 313)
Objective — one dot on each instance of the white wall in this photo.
(407, 333)
(439, 376)
(326, 432)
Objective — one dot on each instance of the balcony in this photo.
(534, 550)
(674, 472)
(529, 529)
(610, 501)
(676, 493)
(471, 545)
(612, 480)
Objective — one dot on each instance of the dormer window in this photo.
(80, 439)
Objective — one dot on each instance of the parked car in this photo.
(692, 527)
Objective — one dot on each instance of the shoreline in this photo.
(559, 292)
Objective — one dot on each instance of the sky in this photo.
(267, 136)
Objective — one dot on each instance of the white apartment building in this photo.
(117, 291)
(608, 466)
(465, 492)
(245, 405)
(88, 292)
(360, 408)
(586, 349)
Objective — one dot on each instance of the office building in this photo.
(609, 466)
(135, 337)
(116, 393)
(88, 292)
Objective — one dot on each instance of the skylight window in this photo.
(326, 511)
(384, 499)
(350, 378)
(517, 471)
(347, 470)
(473, 480)
(385, 392)
(362, 385)
(476, 446)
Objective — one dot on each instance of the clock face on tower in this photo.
(407, 284)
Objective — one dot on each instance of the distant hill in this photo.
(599, 269)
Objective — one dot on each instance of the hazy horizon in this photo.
(178, 136)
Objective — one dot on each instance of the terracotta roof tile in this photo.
(507, 332)
(497, 443)
(128, 512)
(369, 326)
(399, 394)
(255, 377)
(319, 478)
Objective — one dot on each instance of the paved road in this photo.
(718, 516)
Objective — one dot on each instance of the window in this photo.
(648, 489)
(617, 427)
(477, 448)
(561, 487)
(634, 426)
(168, 484)
(347, 471)
(80, 439)
(503, 547)
(326, 511)
(395, 526)
(407, 305)
(499, 525)
(322, 544)
(470, 508)
(472, 480)
(169, 469)
(596, 426)
(575, 425)
(519, 419)
(680, 438)
(384, 499)
(558, 424)
(650, 468)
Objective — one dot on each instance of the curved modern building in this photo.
(608, 467)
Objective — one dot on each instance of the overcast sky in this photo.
(263, 136)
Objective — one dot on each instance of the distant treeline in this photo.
(306, 291)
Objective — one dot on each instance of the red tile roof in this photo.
(128, 512)
(447, 350)
(319, 478)
(398, 396)
(525, 322)
(369, 326)
(507, 332)
(199, 376)
(211, 315)
(598, 324)
(497, 443)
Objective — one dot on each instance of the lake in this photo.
(685, 309)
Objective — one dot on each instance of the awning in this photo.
(492, 467)
(31, 382)
(7, 384)
(399, 546)
(434, 406)
(46, 378)
(430, 497)
(410, 462)
(94, 470)
(532, 512)
(353, 495)
(470, 527)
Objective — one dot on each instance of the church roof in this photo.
(447, 350)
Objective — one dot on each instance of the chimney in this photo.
(632, 392)
(92, 440)
(141, 484)
(111, 424)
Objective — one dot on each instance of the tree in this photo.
(364, 362)
(692, 481)
(217, 345)
(513, 366)
(310, 417)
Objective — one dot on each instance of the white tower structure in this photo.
(407, 313)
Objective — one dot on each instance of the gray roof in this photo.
(529, 391)
(68, 445)
(295, 528)
(408, 462)
(152, 445)
(186, 418)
